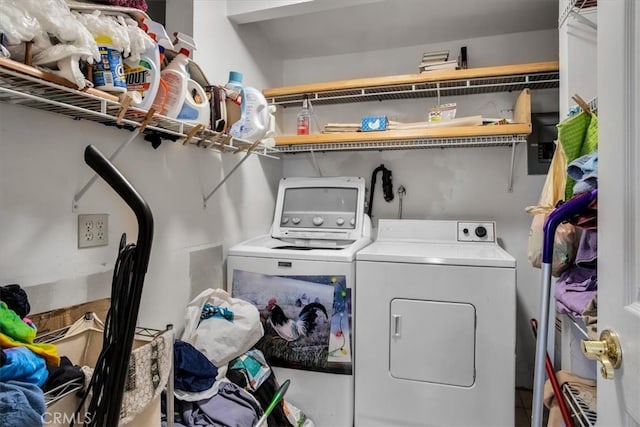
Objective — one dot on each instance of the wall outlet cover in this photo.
(93, 230)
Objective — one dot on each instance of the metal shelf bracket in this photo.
(206, 198)
(92, 180)
(513, 159)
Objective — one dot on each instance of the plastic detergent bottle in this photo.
(196, 107)
(143, 76)
(160, 99)
(176, 77)
(108, 73)
(254, 120)
(234, 87)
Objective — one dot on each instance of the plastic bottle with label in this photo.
(234, 87)
(302, 119)
(108, 73)
(254, 121)
(176, 77)
(196, 107)
(143, 76)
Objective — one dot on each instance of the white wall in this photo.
(42, 167)
(453, 183)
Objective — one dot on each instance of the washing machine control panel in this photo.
(325, 208)
(476, 231)
(318, 220)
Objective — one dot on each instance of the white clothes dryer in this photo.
(301, 277)
(436, 315)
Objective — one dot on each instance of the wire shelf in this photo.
(476, 141)
(575, 6)
(582, 415)
(443, 88)
(28, 91)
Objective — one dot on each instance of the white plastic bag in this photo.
(565, 243)
(222, 339)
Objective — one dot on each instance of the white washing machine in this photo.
(301, 277)
(436, 320)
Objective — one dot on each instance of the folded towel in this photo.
(584, 170)
(575, 289)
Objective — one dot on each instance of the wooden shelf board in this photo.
(433, 76)
(395, 135)
(53, 78)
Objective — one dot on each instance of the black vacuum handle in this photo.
(107, 171)
(114, 385)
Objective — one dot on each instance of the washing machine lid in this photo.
(268, 247)
(466, 243)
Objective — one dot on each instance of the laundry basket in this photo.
(150, 367)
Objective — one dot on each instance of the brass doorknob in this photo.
(607, 351)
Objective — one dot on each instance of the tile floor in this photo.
(524, 399)
(523, 407)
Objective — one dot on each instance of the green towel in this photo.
(14, 327)
(578, 136)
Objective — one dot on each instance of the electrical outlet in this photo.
(93, 230)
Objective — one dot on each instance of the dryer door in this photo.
(444, 355)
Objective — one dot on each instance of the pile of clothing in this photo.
(220, 379)
(577, 286)
(27, 369)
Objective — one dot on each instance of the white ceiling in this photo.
(387, 24)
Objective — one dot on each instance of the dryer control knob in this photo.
(481, 231)
(352, 221)
(285, 219)
(317, 220)
(295, 220)
(340, 221)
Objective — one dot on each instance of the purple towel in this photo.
(575, 289)
(230, 407)
(587, 255)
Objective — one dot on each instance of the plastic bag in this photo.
(226, 329)
(566, 239)
(16, 25)
(55, 20)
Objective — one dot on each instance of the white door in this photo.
(619, 204)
